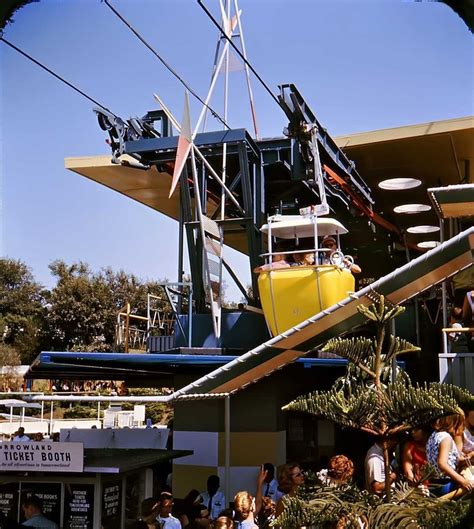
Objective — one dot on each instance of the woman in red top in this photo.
(414, 455)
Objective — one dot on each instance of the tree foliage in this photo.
(22, 308)
(84, 305)
(78, 313)
(376, 397)
(346, 506)
(10, 359)
(8, 9)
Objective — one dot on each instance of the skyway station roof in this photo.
(432, 152)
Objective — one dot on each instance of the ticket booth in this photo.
(105, 491)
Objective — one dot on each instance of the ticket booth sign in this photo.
(41, 457)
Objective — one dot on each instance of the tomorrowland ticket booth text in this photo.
(80, 487)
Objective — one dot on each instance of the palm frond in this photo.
(397, 346)
(327, 505)
(463, 397)
(356, 350)
(360, 409)
(397, 407)
(446, 514)
(381, 311)
(412, 406)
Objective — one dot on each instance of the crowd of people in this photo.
(209, 509)
(447, 446)
(21, 437)
(110, 387)
(436, 458)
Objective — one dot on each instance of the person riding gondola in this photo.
(330, 243)
(291, 293)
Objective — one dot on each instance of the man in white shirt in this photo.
(213, 498)
(165, 518)
(375, 469)
(20, 436)
(270, 484)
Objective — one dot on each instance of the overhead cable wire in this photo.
(78, 90)
(223, 33)
(165, 64)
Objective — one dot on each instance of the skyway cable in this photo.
(165, 64)
(55, 75)
(214, 21)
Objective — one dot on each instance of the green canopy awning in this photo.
(453, 201)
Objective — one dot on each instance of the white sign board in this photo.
(41, 457)
(139, 413)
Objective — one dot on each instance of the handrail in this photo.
(457, 329)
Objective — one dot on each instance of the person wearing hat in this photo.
(330, 243)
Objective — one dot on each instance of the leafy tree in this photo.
(79, 313)
(7, 10)
(9, 360)
(77, 306)
(22, 308)
(157, 412)
(84, 305)
(81, 412)
(379, 399)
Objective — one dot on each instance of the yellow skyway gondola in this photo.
(292, 294)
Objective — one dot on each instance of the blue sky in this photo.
(361, 65)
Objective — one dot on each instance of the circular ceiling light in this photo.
(397, 184)
(428, 244)
(423, 229)
(411, 208)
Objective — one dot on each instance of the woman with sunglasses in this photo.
(290, 478)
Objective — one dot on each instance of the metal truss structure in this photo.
(230, 182)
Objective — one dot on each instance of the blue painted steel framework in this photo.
(264, 176)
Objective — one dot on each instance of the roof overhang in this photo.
(119, 460)
(17, 403)
(453, 201)
(121, 366)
